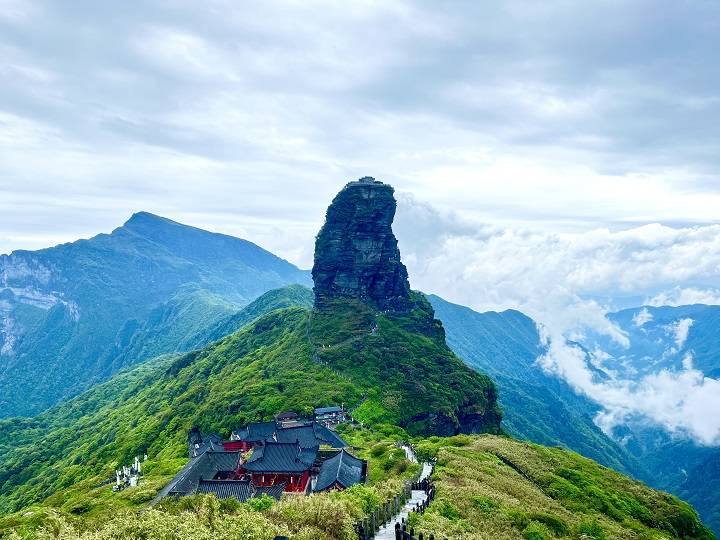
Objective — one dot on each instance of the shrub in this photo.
(263, 502)
(537, 531)
(518, 518)
(143, 496)
(560, 488)
(447, 510)
(554, 523)
(331, 517)
(485, 504)
(364, 497)
(590, 529)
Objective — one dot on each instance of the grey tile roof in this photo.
(344, 470)
(206, 466)
(257, 431)
(307, 435)
(209, 445)
(329, 437)
(275, 491)
(242, 490)
(326, 410)
(274, 457)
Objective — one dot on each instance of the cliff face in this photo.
(356, 252)
(370, 327)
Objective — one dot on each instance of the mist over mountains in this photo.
(569, 283)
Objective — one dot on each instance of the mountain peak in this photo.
(356, 252)
(143, 218)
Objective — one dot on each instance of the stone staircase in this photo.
(387, 531)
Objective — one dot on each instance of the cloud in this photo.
(685, 296)
(517, 114)
(567, 282)
(642, 318)
(680, 330)
(682, 402)
(687, 361)
(512, 266)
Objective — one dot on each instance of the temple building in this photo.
(307, 434)
(287, 455)
(340, 472)
(281, 463)
(330, 416)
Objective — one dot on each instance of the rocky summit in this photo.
(356, 252)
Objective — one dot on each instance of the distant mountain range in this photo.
(536, 405)
(671, 338)
(74, 314)
(544, 409)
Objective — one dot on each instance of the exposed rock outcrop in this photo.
(356, 252)
(369, 324)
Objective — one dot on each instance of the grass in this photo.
(501, 488)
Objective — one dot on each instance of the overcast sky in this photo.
(545, 153)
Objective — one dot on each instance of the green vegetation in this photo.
(251, 375)
(378, 446)
(393, 369)
(285, 297)
(330, 516)
(497, 487)
(63, 457)
(488, 487)
(87, 511)
(93, 307)
(408, 375)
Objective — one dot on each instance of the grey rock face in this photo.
(356, 252)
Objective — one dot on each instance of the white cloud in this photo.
(679, 330)
(685, 296)
(554, 278)
(642, 317)
(499, 110)
(683, 402)
(531, 268)
(17, 11)
(687, 361)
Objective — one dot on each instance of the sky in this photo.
(559, 157)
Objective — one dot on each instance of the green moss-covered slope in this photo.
(408, 375)
(501, 488)
(394, 369)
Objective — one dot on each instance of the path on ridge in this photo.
(387, 531)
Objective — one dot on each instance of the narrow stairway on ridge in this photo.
(418, 496)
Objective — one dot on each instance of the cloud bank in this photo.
(562, 115)
(567, 282)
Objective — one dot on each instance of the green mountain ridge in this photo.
(537, 407)
(266, 367)
(57, 462)
(72, 315)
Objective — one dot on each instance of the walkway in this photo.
(387, 531)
